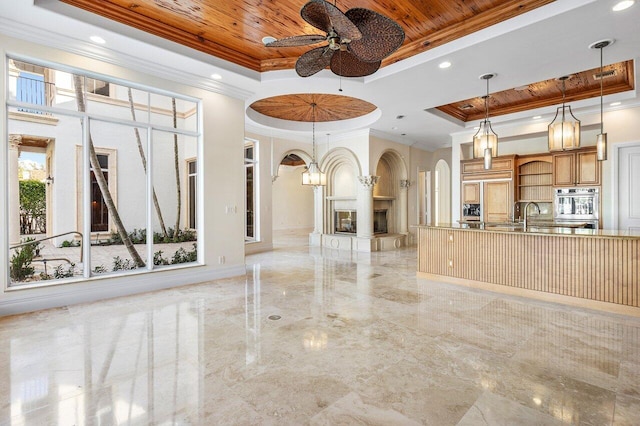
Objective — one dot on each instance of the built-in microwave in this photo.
(471, 211)
(576, 204)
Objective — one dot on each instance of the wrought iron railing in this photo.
(34, 91)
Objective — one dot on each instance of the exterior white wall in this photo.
(221, 179)
(621, 125)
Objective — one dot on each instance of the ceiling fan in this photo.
(357, 40)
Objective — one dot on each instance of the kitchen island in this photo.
(592, 268)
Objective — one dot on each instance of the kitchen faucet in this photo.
(526, 209)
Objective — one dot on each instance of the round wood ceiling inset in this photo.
(298, 107)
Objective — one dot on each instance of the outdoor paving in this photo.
(101, 255)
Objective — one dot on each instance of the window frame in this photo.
(252, 163)
(83, 214)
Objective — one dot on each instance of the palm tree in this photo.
(102, 182)
(143, 158)
(177, 168)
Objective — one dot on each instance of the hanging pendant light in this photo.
(564, 134)
(601, 139)
(313, 175)
(485, 141)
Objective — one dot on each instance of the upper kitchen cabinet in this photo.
(535, 178)
(576, 168)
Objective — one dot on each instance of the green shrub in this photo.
(60, 272)
(158, 259)
(183, 256)
(120, 264)
(20, 268)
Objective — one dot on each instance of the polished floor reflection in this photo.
(311, 336)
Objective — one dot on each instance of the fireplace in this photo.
(380, 221)
(345, 221)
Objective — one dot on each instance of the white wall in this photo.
(292, 202)
(221, 178)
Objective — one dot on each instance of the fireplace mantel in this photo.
(383, 198)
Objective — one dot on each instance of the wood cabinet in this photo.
(576, 168)
(493, 189)
(471, 193)
(535, 178)
(497, 201)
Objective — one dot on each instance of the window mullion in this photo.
(86, 198)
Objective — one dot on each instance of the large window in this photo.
(251, 174)
(104, 166)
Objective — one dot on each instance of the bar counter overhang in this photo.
(591, 268)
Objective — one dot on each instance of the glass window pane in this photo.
(174, 112)
(42, 198)
(120, 150)
(175, 234)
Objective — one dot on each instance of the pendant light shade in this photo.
(485, 141)
(601, 139)
(564, 130)
(313, 175)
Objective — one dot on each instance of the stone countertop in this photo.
(536, 230)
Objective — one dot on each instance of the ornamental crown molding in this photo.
(368, 181)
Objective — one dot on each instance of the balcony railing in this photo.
(34, 91)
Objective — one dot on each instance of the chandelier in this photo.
(313, 175)
(485, 141)
(564, 133)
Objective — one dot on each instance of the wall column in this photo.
(14, 190)
(315, 238)
(365, 206)
(403, 206)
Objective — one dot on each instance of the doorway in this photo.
(628, 166)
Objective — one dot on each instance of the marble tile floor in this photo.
(320, 337)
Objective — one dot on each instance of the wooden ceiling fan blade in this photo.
(346, 64)
(313, 61)
(325, 16)
(301, 40)
(381, 36)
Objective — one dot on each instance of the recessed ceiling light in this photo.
(622, 5)
(615, 103)
(268, 39)
(445, 64)
(476, 128)
(97, 39)
(216, 76)
(537, 117)
(394, 128)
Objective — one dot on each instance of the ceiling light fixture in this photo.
(97, 39)
(216, 76)
(485, 141)
(537, 117)
(445, 64)
(601, 139)
(313, 175)
(626, 4)
(268, 39)
(564, 134)
(615, 103)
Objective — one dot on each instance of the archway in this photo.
(292, 203)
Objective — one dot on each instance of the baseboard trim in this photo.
(28, 300)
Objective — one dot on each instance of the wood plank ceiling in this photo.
(233, 29)
(619, 77)
(298, 107)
